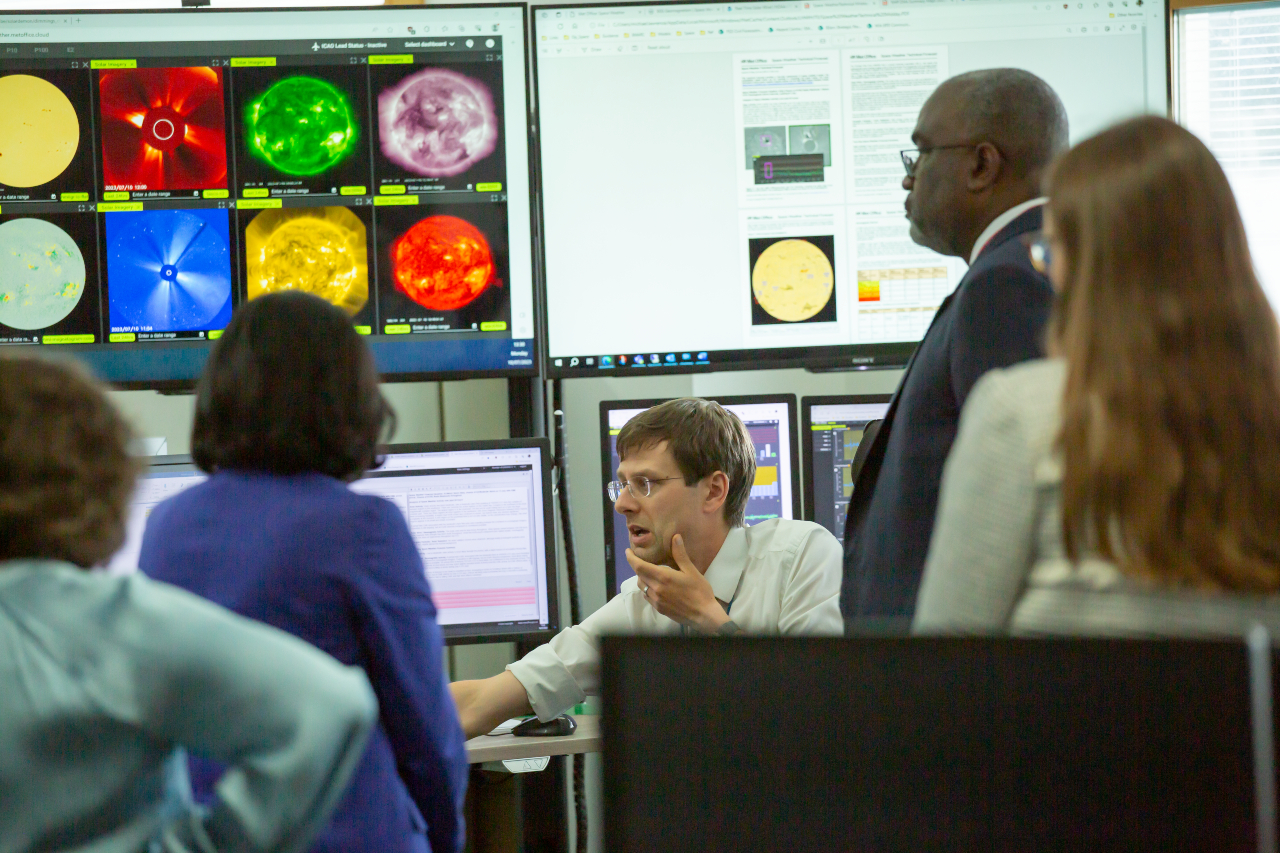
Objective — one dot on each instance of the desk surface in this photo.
(585, 739)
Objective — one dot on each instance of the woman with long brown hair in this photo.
(1130, 483)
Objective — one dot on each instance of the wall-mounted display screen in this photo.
(731, 172)
(774, 494)
(157, 169)
(831, 430)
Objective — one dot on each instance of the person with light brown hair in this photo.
(104, 679)
(686, 471)
(1129, 484)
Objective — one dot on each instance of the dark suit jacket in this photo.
(309, 556)
(995, 318)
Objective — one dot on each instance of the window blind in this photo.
(1228, 93)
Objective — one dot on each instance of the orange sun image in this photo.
(443, 263)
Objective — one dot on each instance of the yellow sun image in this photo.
(39, 134)
(792, 280)
(319, 250)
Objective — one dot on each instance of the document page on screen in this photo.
(152, 488)
(751, 153)
(477, 519)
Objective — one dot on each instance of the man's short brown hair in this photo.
(704, 437)
(65, 470)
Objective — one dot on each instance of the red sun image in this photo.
(163, 129)
(443, 263)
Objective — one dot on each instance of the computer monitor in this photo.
(775, 494)
(479, 513)
(832, 429)
(165, 477)
(160, 168)
(754, 207)
(910, 744)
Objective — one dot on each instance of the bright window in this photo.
(1228, 93)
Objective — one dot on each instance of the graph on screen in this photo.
(834, 429)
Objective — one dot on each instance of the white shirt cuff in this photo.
(544, 676)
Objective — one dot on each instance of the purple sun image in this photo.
(437, 123)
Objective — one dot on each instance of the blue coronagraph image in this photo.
(168, 270)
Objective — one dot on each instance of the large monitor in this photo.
(157, 169)
(479, 512)
(913, 744)
(730, 172)
(775, 494)
(831, 430)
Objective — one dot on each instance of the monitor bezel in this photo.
(457, 635)
(806, 422)
(606, 460)
(166, 460)
(535, 207)
(879, 356)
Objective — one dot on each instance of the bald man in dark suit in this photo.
(982, 140)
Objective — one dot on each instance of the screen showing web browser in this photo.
(724, 180)
(477, 517)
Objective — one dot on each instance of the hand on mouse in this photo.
(682, 594)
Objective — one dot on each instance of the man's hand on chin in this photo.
(682, 594)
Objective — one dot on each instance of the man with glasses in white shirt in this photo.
(686, 471)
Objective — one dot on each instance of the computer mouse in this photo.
(559, 727)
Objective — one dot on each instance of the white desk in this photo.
(507, 747)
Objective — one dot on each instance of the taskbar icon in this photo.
(638, 360)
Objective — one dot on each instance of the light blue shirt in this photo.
(103, 679)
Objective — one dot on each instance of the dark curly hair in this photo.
(65, 470)
(290, 388)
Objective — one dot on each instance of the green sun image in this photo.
(301, 126)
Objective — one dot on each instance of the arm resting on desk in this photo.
(485, 703)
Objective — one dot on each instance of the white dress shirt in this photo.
(777, 577)
(997, 225)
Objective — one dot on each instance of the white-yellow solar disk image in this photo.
(39, 132)
(792, 280)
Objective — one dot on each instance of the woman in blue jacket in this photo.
(288, 412)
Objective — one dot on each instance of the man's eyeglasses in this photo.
(911, 156)
(639, 487)
(1038, 247)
